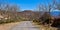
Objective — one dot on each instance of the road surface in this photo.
(25, 25)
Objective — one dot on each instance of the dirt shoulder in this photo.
(8, 25)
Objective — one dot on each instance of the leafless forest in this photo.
(12, 13)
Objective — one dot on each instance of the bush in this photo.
(3, 21)
(45, 18)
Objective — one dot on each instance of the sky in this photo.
(26, 4)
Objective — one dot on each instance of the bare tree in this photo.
(56, 4)
(42, 7)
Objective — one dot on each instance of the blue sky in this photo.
(26, 4)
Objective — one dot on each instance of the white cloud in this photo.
(55, 10)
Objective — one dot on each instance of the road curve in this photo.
(25, 25)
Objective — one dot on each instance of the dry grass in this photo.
(8, 26)
(47, 28)
(42, 27)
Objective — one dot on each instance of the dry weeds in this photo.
(42, 27)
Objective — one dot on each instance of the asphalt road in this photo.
(25, 25)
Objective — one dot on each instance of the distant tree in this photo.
(10, 9)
